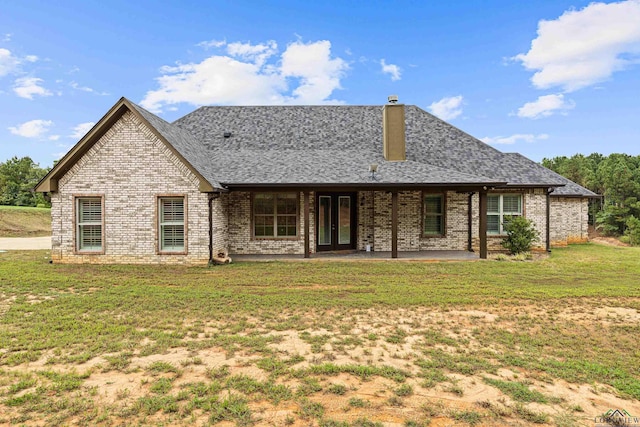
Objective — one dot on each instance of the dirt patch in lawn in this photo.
(395, 367)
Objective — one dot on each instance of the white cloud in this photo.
(583, 47)
(31, 58)
(393, 70)
(54, 137)
(81, 130)
(27, 87)
(8, 62)
(447, 108)
(525, 137)
(257, 54)
(212, 43)
(319, 74)
(545, 106)
(32, 128)
(7, 37)
(252, 75)
(76, 86)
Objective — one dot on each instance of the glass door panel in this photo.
(344, 220)
(324, 220)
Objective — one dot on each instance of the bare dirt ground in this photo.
(445, 403)
(596, 237)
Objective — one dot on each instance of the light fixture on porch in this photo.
(373, 168)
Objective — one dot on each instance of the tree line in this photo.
(616, 177)
(18, 178)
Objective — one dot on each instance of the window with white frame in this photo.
(275, 215)
(89, 224)
(433, 222)
(500, 207)
(171, 224)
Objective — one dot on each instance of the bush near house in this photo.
(521, 235)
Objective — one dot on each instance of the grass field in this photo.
(552, 342)
(18, 221)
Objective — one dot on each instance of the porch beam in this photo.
(307, 252)
(548, 231)
(470, 222)
(394, 224)
(483, 224)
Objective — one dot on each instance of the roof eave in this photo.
(577, 196)
(542, 185)
(364, 185)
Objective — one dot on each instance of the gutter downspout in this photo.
(212, 197)
(470, 222)
(548, 234)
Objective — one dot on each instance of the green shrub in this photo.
(521, 235)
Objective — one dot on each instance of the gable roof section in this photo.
(178, 141)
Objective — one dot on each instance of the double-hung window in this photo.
(171, 224)
(275, 215)
(500, 207)
(89, 226)
(433, 218)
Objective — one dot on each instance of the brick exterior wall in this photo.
(241, 240)
(220, 224)
(374, 222)
(569, 220)
(534, 208)
(129, 166)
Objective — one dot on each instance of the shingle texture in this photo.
(335, 145)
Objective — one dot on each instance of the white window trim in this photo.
(501, 214)
(161, 224)
(80, 224)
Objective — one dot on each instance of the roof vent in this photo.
(393, 99)
(227, 134)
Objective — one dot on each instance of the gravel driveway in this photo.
(24, 243)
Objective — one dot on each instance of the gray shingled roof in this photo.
(335, 145)
(337, 167)
(570, 189)
(434, 141)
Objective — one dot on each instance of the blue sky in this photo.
(543, 78)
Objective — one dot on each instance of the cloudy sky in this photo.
(543, 78)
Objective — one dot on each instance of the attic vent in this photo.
(227, 134)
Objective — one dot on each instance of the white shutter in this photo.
(89, 223)
(171, 217)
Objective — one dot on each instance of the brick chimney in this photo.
(393, 130)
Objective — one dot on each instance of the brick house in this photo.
(294, 180)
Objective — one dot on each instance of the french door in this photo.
(335, 221)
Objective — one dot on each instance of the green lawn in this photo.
(543, 323)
